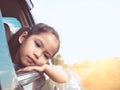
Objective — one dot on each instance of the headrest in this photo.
(7, 30)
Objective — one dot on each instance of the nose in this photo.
(37, 54)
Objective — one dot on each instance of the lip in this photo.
(30, 60)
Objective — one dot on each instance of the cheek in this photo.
(26, 48)
(41, 62)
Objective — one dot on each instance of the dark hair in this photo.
(37, 29)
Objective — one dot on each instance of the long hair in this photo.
(37, 29)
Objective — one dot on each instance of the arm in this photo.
(55, 74)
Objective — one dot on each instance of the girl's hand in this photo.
(32, 68)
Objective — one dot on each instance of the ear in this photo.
(22, 37)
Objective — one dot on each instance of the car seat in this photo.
(7, 31)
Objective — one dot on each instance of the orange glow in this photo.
(99, 75)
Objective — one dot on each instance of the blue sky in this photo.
(89, 29)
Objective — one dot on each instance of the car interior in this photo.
(16, 9)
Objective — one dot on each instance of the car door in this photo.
(8, 78)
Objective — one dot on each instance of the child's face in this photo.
(36, 49)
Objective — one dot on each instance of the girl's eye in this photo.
(47, 56)
(37, 44)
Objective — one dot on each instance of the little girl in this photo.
(31, 49)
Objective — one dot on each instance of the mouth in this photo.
(30, 60)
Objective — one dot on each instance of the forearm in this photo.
(56, 75)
